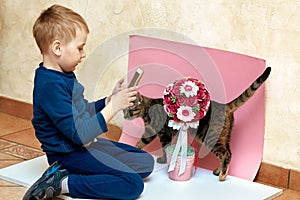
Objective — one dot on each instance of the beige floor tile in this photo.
(289, 195)
(5, 144)
(4, 183)
(6, 163)
(5, 156)
(11, 124)
(25, 137)
(12, 193)
(23, 152)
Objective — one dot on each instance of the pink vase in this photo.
(187, 174)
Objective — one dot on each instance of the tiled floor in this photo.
(18, 143)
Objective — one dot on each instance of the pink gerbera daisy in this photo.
(185, 113)
(189, 88)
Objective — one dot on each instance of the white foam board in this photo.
(203, 185)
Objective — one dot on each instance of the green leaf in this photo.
(196, 108)
(173, 99)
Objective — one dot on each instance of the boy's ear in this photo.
(56, 47)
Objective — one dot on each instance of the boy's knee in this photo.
(135, 186)
(149, 166)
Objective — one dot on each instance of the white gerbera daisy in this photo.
(168, 89)
(185, 113)
(189, 88)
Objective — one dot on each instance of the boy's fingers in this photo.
(133, 93)
(133, 88)
(131, 99)
(121, 81)
(130, 90)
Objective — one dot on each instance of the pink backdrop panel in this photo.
(226, 75)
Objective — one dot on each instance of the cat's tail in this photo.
(240, 100)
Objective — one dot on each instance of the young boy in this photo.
(67, 125)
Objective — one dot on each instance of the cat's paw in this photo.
(216, 172)
(161, 160)
(223, 174)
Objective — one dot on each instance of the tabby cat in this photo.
(214, 129)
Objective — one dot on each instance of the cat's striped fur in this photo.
(214, 129)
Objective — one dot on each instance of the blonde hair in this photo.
(57, 23)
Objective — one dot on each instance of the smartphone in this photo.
(136, 77)
(134, 82)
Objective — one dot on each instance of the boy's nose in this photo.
(83, 55)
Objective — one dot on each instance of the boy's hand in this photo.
(124, 98)
(118, 87)
(119, 101)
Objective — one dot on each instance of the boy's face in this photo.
(72, 52)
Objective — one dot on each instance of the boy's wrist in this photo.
(107, 100)
(108, 112)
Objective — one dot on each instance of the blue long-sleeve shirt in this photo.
(63, 120)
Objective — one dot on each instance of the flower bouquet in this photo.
(186, 101)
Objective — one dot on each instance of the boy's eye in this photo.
(80, 48)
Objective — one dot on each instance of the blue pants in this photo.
(106, 170)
